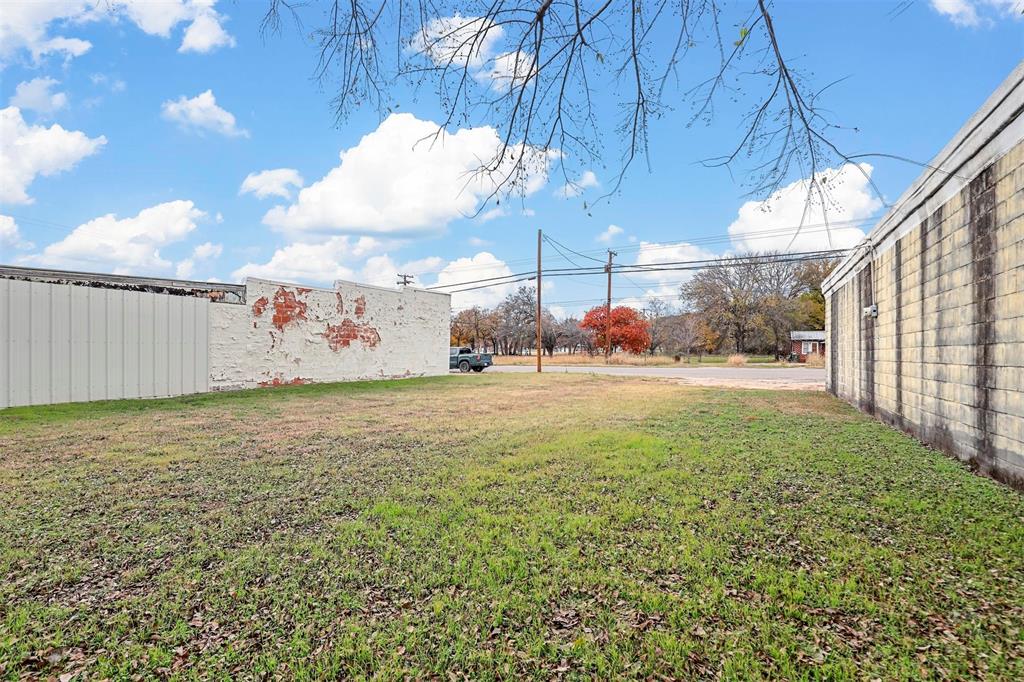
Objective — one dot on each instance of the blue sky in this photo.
(129, 134)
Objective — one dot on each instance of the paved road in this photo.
(802, 378)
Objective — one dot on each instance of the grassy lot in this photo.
(642, 360)
(499, 526)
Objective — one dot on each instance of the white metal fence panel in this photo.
(62, 343)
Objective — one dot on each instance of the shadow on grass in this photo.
(13, 417)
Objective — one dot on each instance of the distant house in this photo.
(804, 343)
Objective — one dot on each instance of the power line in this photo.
(777, 231)
(554, 242)
(666, 266)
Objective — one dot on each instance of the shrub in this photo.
(737, 360)
(815, 360)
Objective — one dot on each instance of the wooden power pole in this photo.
(608, 309)
(538, 303)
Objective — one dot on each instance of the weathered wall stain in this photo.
(833, 344)
(898, 293)
(867, 335)
(981, 219)
(288, 307)
(959, 386)
(259, 306)
(342, 335)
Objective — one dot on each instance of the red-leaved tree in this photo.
(630, 331)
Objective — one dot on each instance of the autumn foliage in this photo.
(630, 331)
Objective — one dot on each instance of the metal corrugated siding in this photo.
(63, 343)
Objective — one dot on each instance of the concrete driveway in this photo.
(789, 378)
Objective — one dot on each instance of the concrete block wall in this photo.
(944, 358)
(287, 334)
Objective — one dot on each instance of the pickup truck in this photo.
(465, 359)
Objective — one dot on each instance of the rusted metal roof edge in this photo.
(233, 293)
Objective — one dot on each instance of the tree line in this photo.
(749, 305)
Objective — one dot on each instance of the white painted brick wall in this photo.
(287, 334)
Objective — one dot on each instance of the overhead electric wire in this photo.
(556, 244)
(670, 266)
(777, 231)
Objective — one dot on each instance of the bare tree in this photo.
(531, 68)
(516, 315)
(682, 334)
(657, 312)
(728, 298)
(777, 286)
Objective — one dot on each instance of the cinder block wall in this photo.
(287, 334)
(944, 358)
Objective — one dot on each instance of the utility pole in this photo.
(608, 309)
(404, 280)
(538, 302)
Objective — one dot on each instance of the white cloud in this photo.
(207, 250)
(978, 12)
(126, 245)
(10, 236)
(574, 188)
(8, 230)
(37, 95)
(662, 284)
(202, 252)
(115, 84)
(457, 40)
(382, 271)
(609, 234)
(184, 269)
(477, 241)
(320, 263)
(271, 183)
(206, 34)
(557, 311)
(23, 26)
(491, 214)
(769, 225)
(654, 254)
(481, 266)
(27, 151)
(509, 70)
(201, 113)
(26, 24)
(405, 177)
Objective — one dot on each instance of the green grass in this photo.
(499, 526)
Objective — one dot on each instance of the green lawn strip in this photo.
(658, 531)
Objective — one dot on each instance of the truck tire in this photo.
(464, 366)
(478, 369)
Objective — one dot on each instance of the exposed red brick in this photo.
(360, 306)
(259, 306)
(342, 335)
(278, 381)
(302, 291)
(287, 308)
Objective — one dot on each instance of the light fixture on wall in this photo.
(871, 310)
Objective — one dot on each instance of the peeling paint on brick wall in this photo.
(292, 335)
